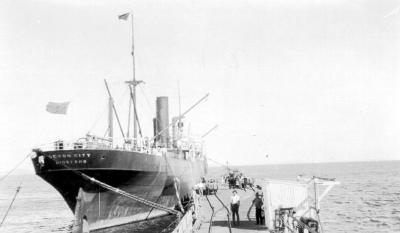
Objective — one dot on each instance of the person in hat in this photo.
(235, 203)
(258, 203)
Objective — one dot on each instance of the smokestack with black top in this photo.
(162, 121)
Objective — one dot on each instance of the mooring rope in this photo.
(123, 193)
(9, 207)
(131, 196)
(13, 169)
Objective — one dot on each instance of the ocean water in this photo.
(367, 200)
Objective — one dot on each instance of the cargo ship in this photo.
(143, 182)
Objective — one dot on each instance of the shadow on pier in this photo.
(245, 225)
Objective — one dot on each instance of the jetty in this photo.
(214, 215)
(289, 206)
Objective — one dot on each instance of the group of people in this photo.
(236, 179)
(258, 202)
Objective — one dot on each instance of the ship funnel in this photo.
(162, 121)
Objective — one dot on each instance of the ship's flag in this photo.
(124, 16)
(57, 108)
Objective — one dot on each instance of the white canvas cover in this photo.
(284, 194)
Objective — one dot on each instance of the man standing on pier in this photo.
(235, 203)
(258, 203)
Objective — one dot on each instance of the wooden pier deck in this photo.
(220, 220)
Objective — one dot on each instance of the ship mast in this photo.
(133, 83)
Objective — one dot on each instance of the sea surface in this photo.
(367, 200)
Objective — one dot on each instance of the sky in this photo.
(300, 81)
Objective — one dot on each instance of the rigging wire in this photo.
(122, 96)
(97, 120)
(145, 97)
(12, 202)
(147, 107)
(115, 111)
(129, 118)
(219, 163)
(13, 169)
(135, 112)
(106, 132)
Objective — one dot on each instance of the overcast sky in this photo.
(301, 81)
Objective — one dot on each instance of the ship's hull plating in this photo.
(151, 177)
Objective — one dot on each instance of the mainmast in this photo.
(133, 83)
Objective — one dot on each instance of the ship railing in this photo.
(75, 145)
(96, 143)
(91, 142)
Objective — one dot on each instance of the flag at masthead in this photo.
(124, 16)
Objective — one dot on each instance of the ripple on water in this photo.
(357, 205)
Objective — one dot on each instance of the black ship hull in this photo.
(148, 176)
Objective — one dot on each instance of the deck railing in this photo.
(96, 143)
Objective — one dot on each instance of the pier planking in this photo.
(220, 221)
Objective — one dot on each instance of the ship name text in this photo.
(76, 158)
